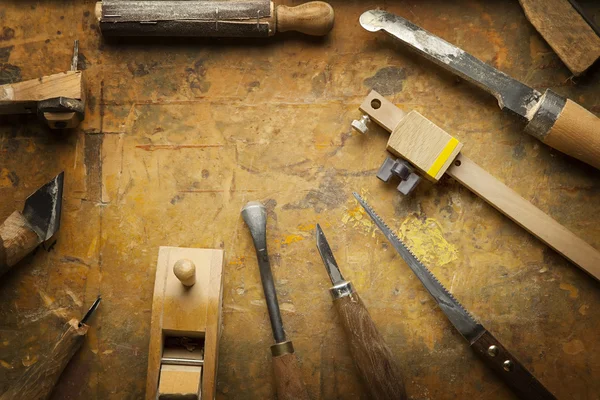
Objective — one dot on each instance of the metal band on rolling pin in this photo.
(549, 108)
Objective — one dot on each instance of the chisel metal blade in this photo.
(328, 259)
(511, 94)
(462, 320)
(43, 208)
(89, 313)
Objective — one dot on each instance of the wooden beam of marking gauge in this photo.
(434, 152)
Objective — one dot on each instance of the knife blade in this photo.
(559, 122)
(492, 352)
(371, 355)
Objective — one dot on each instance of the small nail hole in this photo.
(375, 103)
(457, 163)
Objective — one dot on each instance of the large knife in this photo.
(491, 351)
(559, 122)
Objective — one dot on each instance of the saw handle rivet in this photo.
(493, 351)
(508, 365)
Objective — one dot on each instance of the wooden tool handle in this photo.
(526, 214)
(576, 132)
(16, 241)
(372, 356)
(39, 380)
(313, 18)
(288, 380)
(514, 374)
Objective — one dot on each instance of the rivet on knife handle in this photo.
(509, 369)
(372, 356)
(556, 121)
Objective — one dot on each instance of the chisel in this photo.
(288, 381)
(559, 122)
(39, 380)
(492, 352)
(372, 356)
(23, 231)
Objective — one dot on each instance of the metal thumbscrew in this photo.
(361, 124)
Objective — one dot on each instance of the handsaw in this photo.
(492, 352)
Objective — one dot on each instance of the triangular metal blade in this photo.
(43, 208)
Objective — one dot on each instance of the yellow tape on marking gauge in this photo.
(442, 157)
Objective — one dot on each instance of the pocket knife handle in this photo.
(512, 372)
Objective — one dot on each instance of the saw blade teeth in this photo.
(367, 207)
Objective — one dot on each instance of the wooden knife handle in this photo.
(288, 380)
(16, 241)
(514, 374)
(576, 132)
(372, 356)
(39, 380)
(313, 18)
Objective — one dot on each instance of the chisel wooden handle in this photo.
(514, 374)
(313, 18)
(288, 379)
(372, 356)
(17, 240)
(567, 127)
(39, 380)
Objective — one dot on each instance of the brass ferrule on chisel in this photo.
(279, 349)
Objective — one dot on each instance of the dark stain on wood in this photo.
(387, 80)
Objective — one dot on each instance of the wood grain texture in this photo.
(179, 382)
(516, 376)
(372, 356)
(288, 379)
(65, 84)
(186, 311)
(18, 240)
(312, 18)
(566, 32)
(521, 211)
(39, 380)
(576, 132)
(421, 142)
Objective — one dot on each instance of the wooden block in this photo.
(181, 311)
(20, 97)
(575, 42)
(179, 382)
(425, 145)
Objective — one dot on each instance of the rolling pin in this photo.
(39, 380)
(209, 18)
(288, 381)
(372, 356)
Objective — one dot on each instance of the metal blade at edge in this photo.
(327, 256)
(510, 93)
(462, 320)
(42, 208)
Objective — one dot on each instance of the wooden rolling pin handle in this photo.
(567, 127)
(39, 380)
(372, 356)
(288, 380)
(313, 18)
(514, 374)
(16, 241)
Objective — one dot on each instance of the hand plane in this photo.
(23, 231)
(57, 99)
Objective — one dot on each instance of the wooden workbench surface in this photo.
(180, 134)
